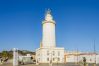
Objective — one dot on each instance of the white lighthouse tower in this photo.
(48, 39)
(48, 52)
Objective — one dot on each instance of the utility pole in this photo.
(77, 55)
(94, 54)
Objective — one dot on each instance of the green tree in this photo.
(84, 61)
(4, 54)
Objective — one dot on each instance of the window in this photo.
(53, 53)
(58, 59)
(58, 53)
(47, 59)
(47, 52)
(53, 59)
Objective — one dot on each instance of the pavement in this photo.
(67, 64)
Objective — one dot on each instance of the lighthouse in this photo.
(48, 37)
(48, 52)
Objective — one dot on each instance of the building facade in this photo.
(77, 57)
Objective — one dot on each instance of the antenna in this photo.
(94, 47)
(77, 55)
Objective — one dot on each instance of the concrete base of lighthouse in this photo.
(50, 55)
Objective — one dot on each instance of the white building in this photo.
(76, 57)
(48, 52)
(25, 59)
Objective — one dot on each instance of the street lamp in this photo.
(50, 64)
(56, 60)
(94, 54)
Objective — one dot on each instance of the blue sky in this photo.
(77, 23)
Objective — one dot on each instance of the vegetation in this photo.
(9, 54)
(24, 52)
(6, 54)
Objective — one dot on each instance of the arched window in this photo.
(58, 59)
(47, 59)
(53, 53)
(53, 59)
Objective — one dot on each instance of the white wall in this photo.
(48, 35)
(45, 53)
(89, 58)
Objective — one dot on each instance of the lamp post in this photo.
(56, 60)
(94, 54)
(50, 64)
